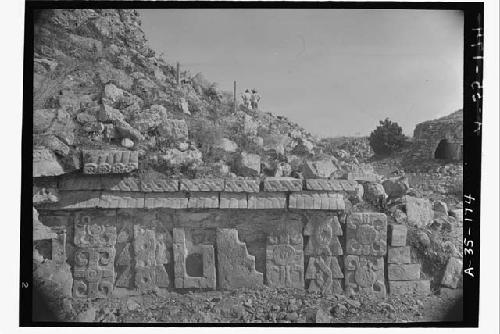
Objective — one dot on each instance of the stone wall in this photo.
(121, 235)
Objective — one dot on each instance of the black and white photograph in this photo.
(251, 164)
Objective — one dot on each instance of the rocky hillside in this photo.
(98, 85)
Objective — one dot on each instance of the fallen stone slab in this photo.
(318, 169)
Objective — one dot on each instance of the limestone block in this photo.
(398, 235)
(248, 164)
(366, 234)
(184, 272)
(159, 185)
(285, 260)
(45, 194)
(403, 272)
(80, 182)
(203, 200)
(165, 200)
(235, 268)
(202, 185)
(364, 275)
(93, 272)
(78, 200)
(420, 287)
(45, 163)
(282, 184)
(89, 234)
(362, 177)
(399, 255)
(267, 200)
(117, 183)
(318, 169)
(40, 231)
(311, 200)
(440, 208)
(324, 184)
(233, 201)
(324, 275)
(374, 193)
(395, 187)
(123, 265)
(323, 237)
(418, 210)
(175, 129)
(110, 200)
(453, 275)
(242, 185)
(106, 162)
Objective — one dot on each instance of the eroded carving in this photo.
(285, 260)
(364, 275)
(366, 234)
(324, 275)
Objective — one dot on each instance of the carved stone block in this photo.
(323, 237)
(242, 185)
(159, 185)
(45, 163)
(267, 201)
(331, 185)
(106, 162)
(363, 177)
(93, 272)
(45, 193)
(118, 183)
(80, 182)
(202, 184)
(78, 200)
(165, 200)
(311, 200)
(194, 265)
(124, 200)
(235, 268)
(366, 234)
(324, 275)
(398, 255)
(403, 272)
(87, 234)
(364, 275)
(285, 260)
(282, 184)
(233, 201)
(398, 235)
(203, 200)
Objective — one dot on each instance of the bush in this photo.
(387, 138)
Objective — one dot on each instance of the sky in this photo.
(336, 72)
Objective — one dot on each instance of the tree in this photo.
(387, 138)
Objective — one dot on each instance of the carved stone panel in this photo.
(194, 264)
(323, 237)
(364, 275)
(366, 234)
(235, 268)
(93, 272)
(324, 275)
(285, 260)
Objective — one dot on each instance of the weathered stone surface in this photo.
(403, 272)
(396, 187)
(165, 200)
(175, 129)
(235, 268)
(374, 193)
(318, 169)
(105, 162)
(93, 234)
(266, 200)
(366, 234)
(248, 164)
(285, 260)
(45, 194)
(202, 185)
(420, 287)
(325, 184)
(364, 275)
(45, 163)
(233, 201)
(310, 200)
(398, 235)
(399, 255)
(282, 184)
(78, 200)
(40, 231)
(117, 183)
(418, 210)
(323, 237)
(324, 275)
(362, 177)
(203, 200)
(93, 272)
(159, 185)
(113, 200)
(176, 158)
(440, 208)
(206, 277)
(242, 185)
(453, 275)
(80, 182)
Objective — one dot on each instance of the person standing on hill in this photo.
(255, 99)
(246, 97)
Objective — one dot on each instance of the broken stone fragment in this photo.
(45, 163)
(418, 210)
(453, 276)
(318, 169)
(248, 164)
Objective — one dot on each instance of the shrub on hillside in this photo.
(387, 138)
